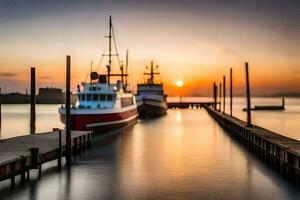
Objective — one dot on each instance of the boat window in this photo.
(88, 97)
(102, 97)
(95, 97)
(109, 97)
(126, 101)
(82, 97)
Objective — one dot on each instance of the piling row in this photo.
(279, 152)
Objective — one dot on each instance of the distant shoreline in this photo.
(13, 100)
(51, 95)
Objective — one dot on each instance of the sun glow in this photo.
(179, 83)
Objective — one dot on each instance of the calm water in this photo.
(285, 122)
(184, 155)
(15, 118)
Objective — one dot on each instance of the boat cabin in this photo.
(103, 96)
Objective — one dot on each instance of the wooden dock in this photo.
(187, 104)
(280, 152)
(20, 154)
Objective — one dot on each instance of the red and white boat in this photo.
(102, 104)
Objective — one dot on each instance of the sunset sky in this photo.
(196, 41)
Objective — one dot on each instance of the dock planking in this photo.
(280, 152)
(20, 154)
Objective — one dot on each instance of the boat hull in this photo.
(148, 108)
(100, 122)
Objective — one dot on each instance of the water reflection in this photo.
(161, 159)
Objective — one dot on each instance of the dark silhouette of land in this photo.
(51, 95)
(46, 95)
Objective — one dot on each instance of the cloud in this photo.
(8, 74)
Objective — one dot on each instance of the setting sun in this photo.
(179, 83)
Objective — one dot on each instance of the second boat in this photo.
(150, 97)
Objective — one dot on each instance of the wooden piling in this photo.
(32, 101)
(67, 108)
(40, 170)
(248, 97)
(58, 131)
(0, 109)
(231, 92)
(220, 97)
(224, 92)
(215, 96)
(34, 152)
(60, 149)
(23, 169)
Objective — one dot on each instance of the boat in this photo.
(102, 104)
(150, 97)
(268, 107)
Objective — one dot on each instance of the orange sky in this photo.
(196, 43)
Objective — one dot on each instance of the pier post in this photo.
(34, 152)
(215, 95)
(0, 109)
(230, 92)
(23, 170)
(60, 149)
(224, 92)
(248, 97)
(220, 97)
(32, 101)
(59, 153)
(67, 108)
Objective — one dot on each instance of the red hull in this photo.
(98, 122)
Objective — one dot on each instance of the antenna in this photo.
(151, 73)
(91, 71)
(126, 69)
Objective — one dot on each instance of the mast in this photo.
(109, 50)
(126, 69)
(111, 35)
(151, 72)
(122, 72)
(91, 72)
